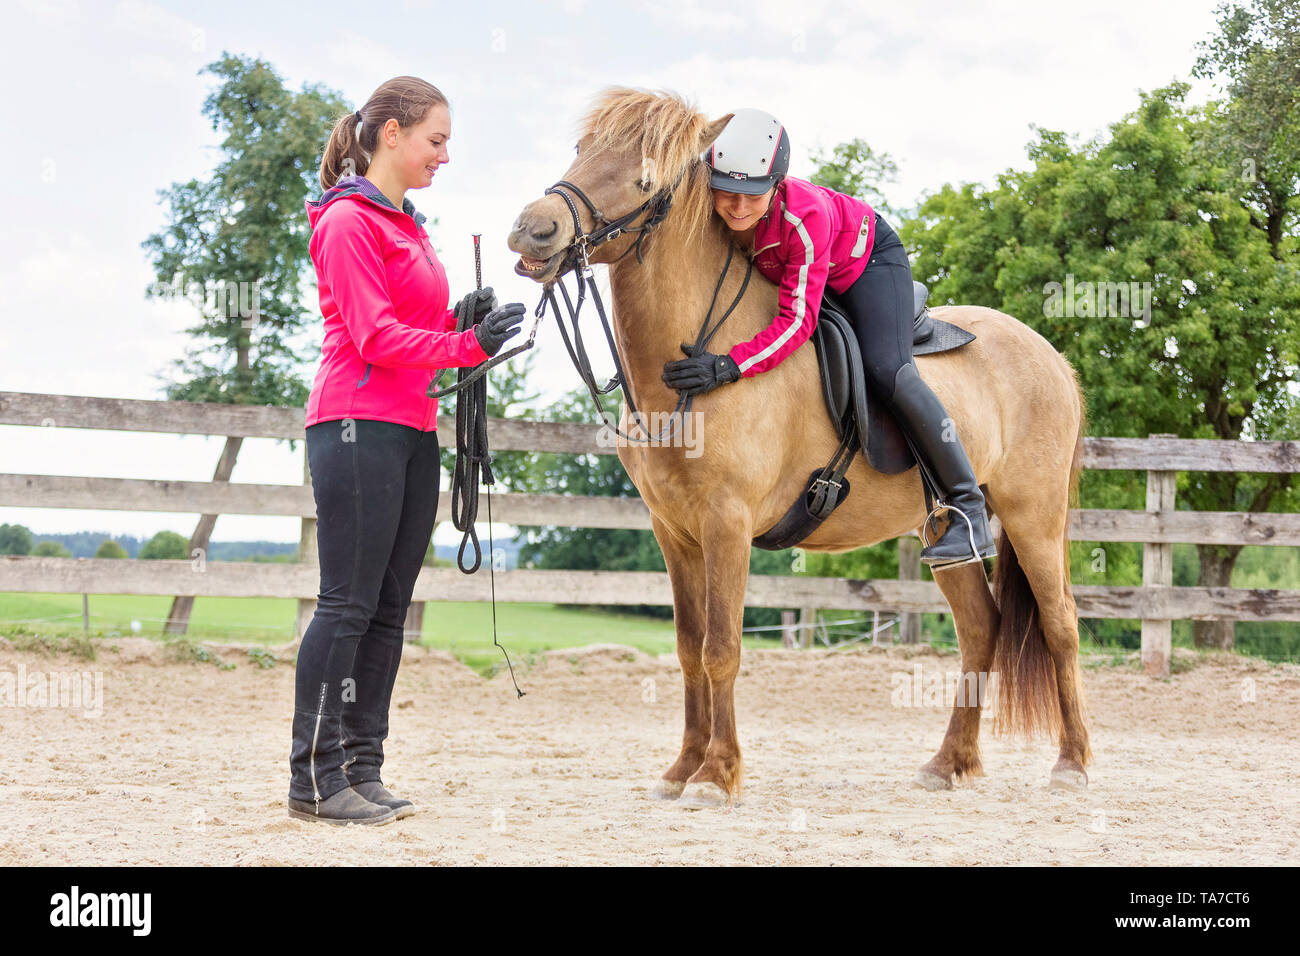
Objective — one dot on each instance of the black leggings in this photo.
(879, 304)
(376, 490)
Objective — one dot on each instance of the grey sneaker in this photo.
(345, 807)
(376, 792)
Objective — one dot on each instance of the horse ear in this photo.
(712, 132)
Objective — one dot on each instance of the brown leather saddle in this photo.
(862, 420)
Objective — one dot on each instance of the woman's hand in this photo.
(482, 301)
(701, 373)
(499, 325)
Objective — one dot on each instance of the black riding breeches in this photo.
(376, 490)
(879, 304)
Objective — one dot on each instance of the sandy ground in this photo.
(188, 764)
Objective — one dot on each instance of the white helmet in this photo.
(751, 155)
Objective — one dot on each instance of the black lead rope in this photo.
(474, 463)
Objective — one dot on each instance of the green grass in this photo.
(464, 629)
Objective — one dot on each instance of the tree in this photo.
(237, 246)
(51, 549)
(1255, 59)
(110, 549)
(855, 169)
(15, 539)
(1207, 346)
(165, 546)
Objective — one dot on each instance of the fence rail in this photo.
(1156, 603)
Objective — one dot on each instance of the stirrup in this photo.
(940, 506)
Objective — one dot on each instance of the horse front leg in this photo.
(726, 572)
(685, 563)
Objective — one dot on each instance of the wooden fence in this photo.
(1156, 603)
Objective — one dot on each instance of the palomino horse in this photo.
(1015, 402)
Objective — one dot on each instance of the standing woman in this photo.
(808, 238)
(372, 440)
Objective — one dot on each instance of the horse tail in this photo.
(1027, 698)
(1028, 701)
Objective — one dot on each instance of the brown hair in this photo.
(406, 99)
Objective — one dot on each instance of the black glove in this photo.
(701, 373)
(498, 326)
(481, 301)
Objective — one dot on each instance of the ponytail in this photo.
(352, 142)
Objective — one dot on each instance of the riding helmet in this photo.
(751, 155)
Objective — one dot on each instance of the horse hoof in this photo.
(931, 781)
(702, 796)
(666, 789)
(1075, 780)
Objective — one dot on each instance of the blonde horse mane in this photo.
(667, 128)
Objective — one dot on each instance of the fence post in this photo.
(909, 569)
(1158, 571)
(788, 630)
(306, 555)
(807, 626)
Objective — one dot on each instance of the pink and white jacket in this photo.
(810, 238)
(384, 297)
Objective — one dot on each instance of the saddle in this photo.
(862, 420)
(854, 405)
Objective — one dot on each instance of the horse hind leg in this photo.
(976, 618)
(1034, 576)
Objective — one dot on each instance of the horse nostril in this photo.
(555, 227)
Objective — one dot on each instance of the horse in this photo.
(758, 437)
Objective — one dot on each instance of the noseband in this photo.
(605, 230)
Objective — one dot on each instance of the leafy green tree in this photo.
(50, 549)
(236, 244)
(110, 549)
(165, 546)
(1255, 61)
(1208, 353)
(15, 539)
(855, 169)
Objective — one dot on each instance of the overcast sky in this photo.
(102, 109)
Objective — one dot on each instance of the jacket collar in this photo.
(360, 186)
(768, 231)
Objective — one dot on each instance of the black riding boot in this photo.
(924, 419)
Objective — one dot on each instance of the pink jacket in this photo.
(810, 238)
(384, 297)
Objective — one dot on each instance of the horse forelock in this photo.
(667, 128)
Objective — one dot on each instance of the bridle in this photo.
(655, 209)
(579, 251)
